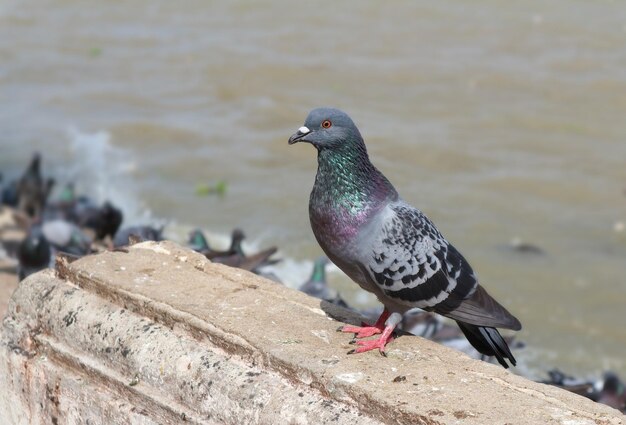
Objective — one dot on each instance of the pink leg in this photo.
(371, 344)
(367, 330)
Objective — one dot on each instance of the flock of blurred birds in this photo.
(75, 225)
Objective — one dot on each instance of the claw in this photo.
(361, 332)
(364, 331)
(372, 344)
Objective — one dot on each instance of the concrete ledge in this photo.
(161, 335)
(10, 237)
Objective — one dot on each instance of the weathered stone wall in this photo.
(160, 335)
(10, 237)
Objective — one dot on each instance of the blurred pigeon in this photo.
(62, 207)
(317, 286)
(34, 253)
(32, 190)
(613, 392)
(104, 221)
(1, 188)
(578, 386)
(559, 378)
(68, 194)
(234, 255)
(143, 233)
(197, 242)
(8, 194)
(388, 247)
(520, 246)
(234, 250)
(241, 260)
(66, 237)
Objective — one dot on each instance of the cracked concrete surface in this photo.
(162, 335)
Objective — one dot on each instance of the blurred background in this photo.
(503, 122)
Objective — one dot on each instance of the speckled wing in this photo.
(413, 264)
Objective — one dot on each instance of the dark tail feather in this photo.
(488, 341)
(481, 310)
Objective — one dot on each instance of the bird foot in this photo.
(372, 344)
(362, 331)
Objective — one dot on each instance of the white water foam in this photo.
(103, 172)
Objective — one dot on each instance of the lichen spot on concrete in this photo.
(350, 378)
(183, 364)
(70, 318)
(318, 311)
(321, 334)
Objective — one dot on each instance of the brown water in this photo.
(498, 120)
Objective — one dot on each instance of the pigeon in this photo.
(34, 253)
(235, 248)
(143, 233)
(613, 392)
(8, 194)
(578, 386)
(518, 245)
(317, 286)
(66, 237)
(389, 247)
(247, 262)
(197, 242)
(234, 255)
(104, 221)
(32, 190)
(62, 207)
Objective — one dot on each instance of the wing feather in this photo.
(412, 262)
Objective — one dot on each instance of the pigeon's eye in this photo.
(327, 124)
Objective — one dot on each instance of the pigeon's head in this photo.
(613, 385)
(328, 128)
(35, 163)
(237, 238)
(238, 235)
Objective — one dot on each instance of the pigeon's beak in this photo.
(299, 135)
